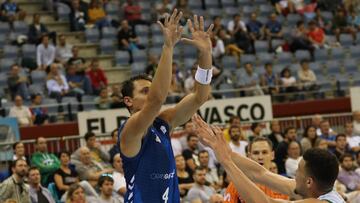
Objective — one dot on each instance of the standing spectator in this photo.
(127, 39)
(288, 81)
(97, 15)
(14, 187)
(78, 15)
(326, 134)
(356, 122)
(37, 192)
(250, 80)
(103, 101)
(281, 150)
(340, 146)
(199, 190)
(37, 30)
(21, 113)
(46, 162)
(306, 76)
(236, 144)
(63, 50)
(186, 181)
(106, 185)
(78, 61)
(235, 23)
(191, 153)
(45, 53)
(132, 13)
(119, 179)
(316, 35)
(341, 25)
(270, 81)
(97, 76)
(17, 83)
(310, 138)
(255, 28)
(39, 114)
(273, 28)
(347, 175)
(353, 140)
(276, 136)
(211, 173)
(293, 160)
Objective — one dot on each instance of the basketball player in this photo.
(314, 179)
(145, 147)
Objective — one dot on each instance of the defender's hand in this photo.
(200, 38)
(171, 29)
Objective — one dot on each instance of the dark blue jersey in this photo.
(151, 174)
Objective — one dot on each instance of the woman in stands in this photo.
(75, 194)
(185, 179)
(310, 139)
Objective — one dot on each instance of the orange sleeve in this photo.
(231, 195)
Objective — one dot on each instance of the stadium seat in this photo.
(229, 62)
(140, 56)
(211, 4)
(214, 12)
(333, 67)
(284, 58)
(327, 15)
(292, 19)
(107, 46)
(278, 68)
(346, 40)
(63, 11)
(247, 10)
(92, 35)
(188, 63)
(157, 41)
(228, 3)
(321, 54)
(3, 80)
(21, 27)
(338, 53)
(112, 9)
(261, 46)
(145, 7)
(316, 67)
(38, 77)
(155, 29)
(122, 57)
(4, 28)
(28, 51)
(142, 30)
(10, 51)
(189, 51)
(144, 40)
(5, 64)
(355, 51)
(231, 11)
(247, 58)
(138, 68)
(194, 5)
(275, 43)
(265, 57)
(351, 66)
(302, 54)
(265, 9)
(226, 86)
(3, 40)
(36, 89)
(109, 33)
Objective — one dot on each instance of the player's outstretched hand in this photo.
(213, 137)
(200, 38)
(171, 29)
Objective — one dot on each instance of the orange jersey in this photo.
(232, 196)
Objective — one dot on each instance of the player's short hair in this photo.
(322, 166)
(127, 89)
(260, 139)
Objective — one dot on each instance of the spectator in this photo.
(191, 153)
(288, 81)
(76, 194)
(216, 198)
(340, 146)
(316, 121)
(217, 25)
(316, 35)
(10, 11)
(46, 162)
(299, 6)
(322, 144)
(116, 97)
(19, 152)
(243, 40)
(115, 148)
(230, 47)
(63, 50)
(323, 23)
(103, 101)
(255, 28)
(186, 181)
(37, 30)
(237, 144)
(39, 114)
(182, 5)
(347, 174)
(106, 185)
(21, 113)
(326, 134)
(293, 160)
(341, 25)
(270, 81)
(233, 121)
(132, 13)
(88, 169)
(306, 76)
(354, 21)
(199, 189)
(97, 15)
(284, 7)
(218, 49)
(152, 64)
(127, 39)
(274, 168)
(310, 138)
(37, 192)
(256, 131)
(78, 15)
(176, 85)
(189, 129)
(163, 7)
(79, 84)
(356, 122)
(211, 173)
(235, 24)
(250, 80)
(273, 28)
(97, 76)
(276, 136)
(189, 82)
(14, 187)
(45, 53)
(353, 140)
(281, 150)
(17, 83)
(119, 179)
(300, 39)
(78, 61)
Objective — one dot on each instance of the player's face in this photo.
(141, 90)
(107, 188)
(262, 153)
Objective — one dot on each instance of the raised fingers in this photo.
(201, 25)
(190, 25)
(178, 17)
(173, 15)
(211, 27)
(196, 22)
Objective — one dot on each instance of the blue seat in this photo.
(5, 64)
(229, 62)
(4, 28)
(302, 54)
(346, 40)
(247, 58)
(261, 46)
(355, 51)
(140, 56)
(122, 58)
(54, 193)
(321, 55)
(29, 51)
(109, 33)
(142, 30)
(338, 53)
(63, 11)
(333, 67)
(155, 29)
(21, 27)
(284, 58)
(92, 35)
(157, 41)
(107, 46)
(265, 57)
(38, 77)
(138, 68)
(351, 66)
(10, 51)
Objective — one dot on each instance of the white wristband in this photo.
(203, 76)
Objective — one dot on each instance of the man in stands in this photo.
(353, 140)
(118, 175)
(281, 150)
(276, 135)
(191, 153)
(306, 76)
(17, 83)
(106, 184)
(236, 144)
(21, 113)
(63, 50)
(199, 190)
(47, 163)
(341, 147)
(211, 173)
(45, 53)
(347, 175)
(14, 187)
(114, 149)
(356, 118)
(39, 114)
(38, 193)
(326, 134)
(77, 61)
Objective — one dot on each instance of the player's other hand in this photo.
(171, 29)
(200, 38)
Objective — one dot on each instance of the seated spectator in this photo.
(63, 50)
(316, 35)
(341, 25)
(132, 13)
(163, 7)
(199, 189)
(127, 39)
(281, 150)
(236, 23)
(39, 114)
(274, 168)
(79, 84)
(38, 193)
(284, 7)
(218, 46)
(356, 122)
(211, 173)
(103, 101)
(45, 53)
(341, 147)
(78, 15)
(97, 15)
(273, 28)
(217, 25)
(9, 188)
(46, 162)
(37, 30)
(21, 113)
(326, 134)
(191, 153)
(347, 174)
(299, 6)
(310, 138)
(243, 40)
(293, 159)
(186, 180)
(323, 23)
(10, 11)
(106, 185)
(316, 121)
(78, 61)
(17, 83)
(306, 76)
(354, 21)
(19, 152)
(182, 5)
(270, 81)
(116, 97)
(216, 198)
(97, 76)
(276, 136)
(255, 28)
(300, 39)
(353, 140)
(230, 47)
(119, 179)
(250, 80)
(189, 82)
(256, 131)
(176, 86)
(88, 169)
(152, 64)
(322, 144)
(115, 148)
(237, 142)
(76, 194)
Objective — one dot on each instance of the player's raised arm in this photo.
(183, 111)
(147, 97)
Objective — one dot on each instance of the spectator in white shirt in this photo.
(45, 53)
(236, 144)
(306, 76)
(190, 81)
(119, 179)
(356, 117)
(218, 49)
(236, 22)
(294, 157)
(56, 84)
(353, 139)
(63, 50)
(21, 112)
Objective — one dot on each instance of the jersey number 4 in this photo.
(165, 196)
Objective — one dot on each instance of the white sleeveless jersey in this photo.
(332, 197)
